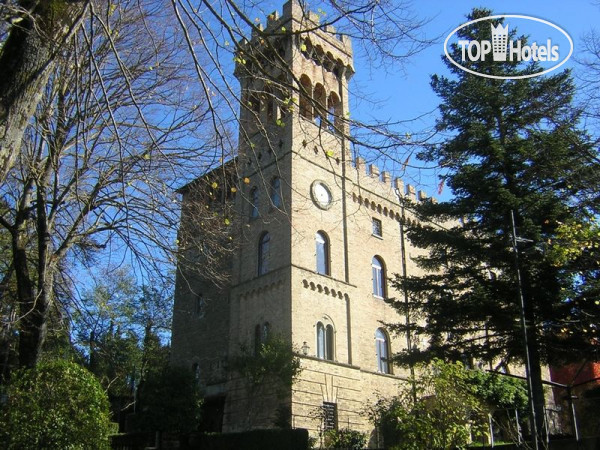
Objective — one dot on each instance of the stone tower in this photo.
(318, 235)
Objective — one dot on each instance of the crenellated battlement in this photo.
(382, 184)
(311, 38)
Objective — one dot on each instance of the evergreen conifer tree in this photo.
(512, 149)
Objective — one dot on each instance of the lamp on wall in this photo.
(305, 348)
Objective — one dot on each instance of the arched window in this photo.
(378, 276)
(254, 203)
(305, 97)
(334, 111)
(263, 253)
(322, 246)
(266, 331)
(325, 341)
(321, 100)
(330, 342)
(261, 335)
(270, 103)
(276, 192)
(382, 350)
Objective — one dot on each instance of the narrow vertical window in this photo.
(377, 228)
(322, 248)
(306, 97)
(276, 192)
(266, 331)
(378, 277)
(333, 112)
(325, 341)
(382, 350)
(329, 341)
(263, 253)
(321, 349)
(254, 203)
(320, 98)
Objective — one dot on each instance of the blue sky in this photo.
(403, 93)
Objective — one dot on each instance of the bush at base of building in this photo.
(346, 439)
(438, 411)
(59, 404)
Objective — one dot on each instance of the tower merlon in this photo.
(360, 164)
(411, 192)
(399, 185)
(373, 170)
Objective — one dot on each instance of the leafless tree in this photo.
(117, 129)
(107, 107)
(38, 33)
(587, 75)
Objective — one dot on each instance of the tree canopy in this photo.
(59, 404)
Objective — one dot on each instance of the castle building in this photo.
(318, 236)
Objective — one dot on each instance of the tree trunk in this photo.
(32, 308)
(27, 58)
(539, 401)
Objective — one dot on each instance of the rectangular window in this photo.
(377, 230)
(330, 419)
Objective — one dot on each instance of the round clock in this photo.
(321, 194)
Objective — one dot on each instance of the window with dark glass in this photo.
(382, 346)
(263, 253)
(276, 192)
(378, 269)
(377, 228)
(322, 248)
(254, 202)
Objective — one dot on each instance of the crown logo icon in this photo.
(499, 42)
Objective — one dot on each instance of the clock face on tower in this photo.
(321, 194)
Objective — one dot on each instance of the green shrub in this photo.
(345, 439)
(438, 412)
(59, 404)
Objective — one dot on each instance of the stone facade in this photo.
(301, 143)
(292, 143)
